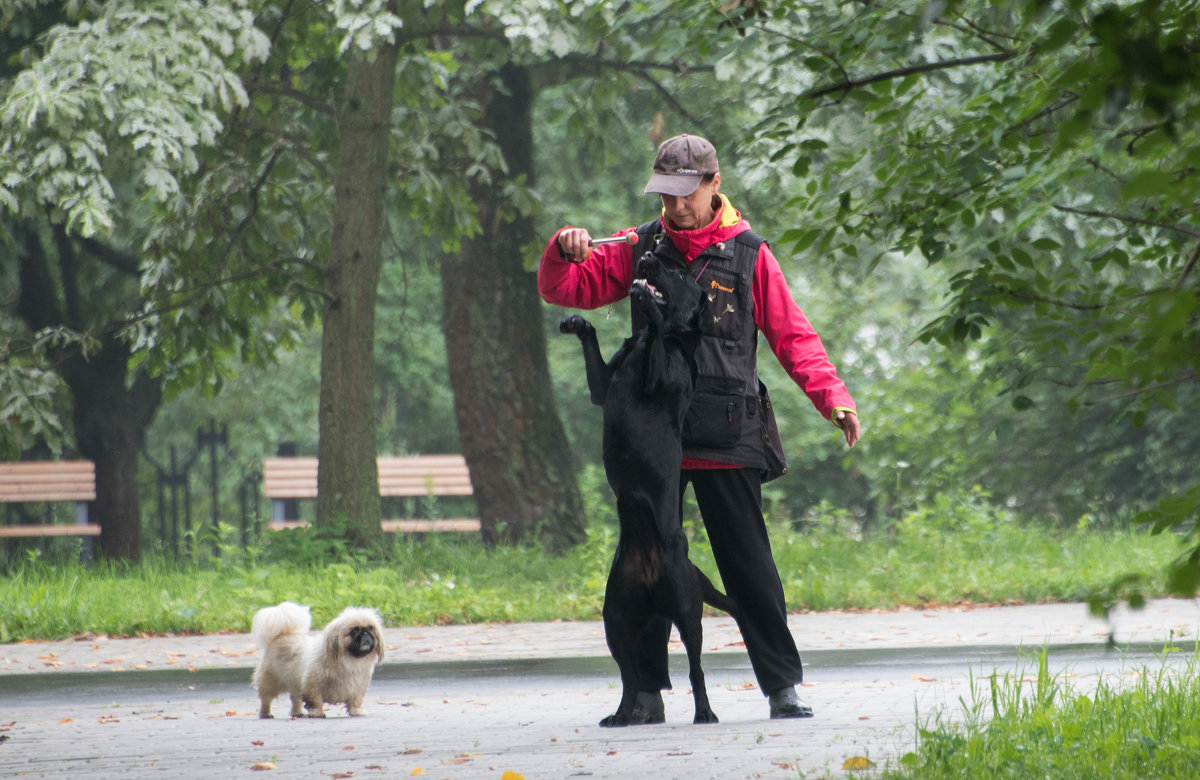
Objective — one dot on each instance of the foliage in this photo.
(1145, 727)
(1044, 154)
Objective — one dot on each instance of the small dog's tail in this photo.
(271, 623)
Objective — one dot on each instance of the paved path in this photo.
(479, 701)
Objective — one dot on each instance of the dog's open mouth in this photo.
(648, 287)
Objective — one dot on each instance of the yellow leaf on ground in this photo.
(858, 762)
(510, 775)
(262, 766)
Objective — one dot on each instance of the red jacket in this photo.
(605, 277)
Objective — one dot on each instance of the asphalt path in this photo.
(524, 699)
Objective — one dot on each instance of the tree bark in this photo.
(111, 412)
(347, 479)
(514, 443)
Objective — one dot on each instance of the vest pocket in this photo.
(713, 420)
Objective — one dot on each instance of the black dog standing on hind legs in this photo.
(645, 392)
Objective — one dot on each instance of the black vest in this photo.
(730, 419)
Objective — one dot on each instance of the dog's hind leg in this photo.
(624, 619)
(692, 635)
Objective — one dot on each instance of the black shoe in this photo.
(648, 709)
(786, 704)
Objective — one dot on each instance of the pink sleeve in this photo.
(604, 278)
(793, 339)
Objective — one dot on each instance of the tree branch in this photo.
(1187, 268)
(270, 86)
(925, 67)
(1130, 219)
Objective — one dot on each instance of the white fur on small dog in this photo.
(312, 669)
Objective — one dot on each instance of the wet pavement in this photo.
(524, 699)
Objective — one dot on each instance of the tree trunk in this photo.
(111, 418)
(513, 441)
(347, 478)
(111, 413)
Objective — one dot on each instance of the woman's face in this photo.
(693, 211)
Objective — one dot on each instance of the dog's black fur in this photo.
(645, 391)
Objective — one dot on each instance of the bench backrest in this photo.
(47, 480)
(399, 475)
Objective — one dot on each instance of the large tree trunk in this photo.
(111, 413)
(347, 479)
(511, 436)
(111, 418)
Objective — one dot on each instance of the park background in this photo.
(316, 225)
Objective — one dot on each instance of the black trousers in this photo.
(730, 502)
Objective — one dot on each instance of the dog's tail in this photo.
(270, 623)
(715, 598)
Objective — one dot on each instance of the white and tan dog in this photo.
(335, 666)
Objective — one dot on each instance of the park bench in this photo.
(399, 475)
(49, 481)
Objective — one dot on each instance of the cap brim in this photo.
(679, 185)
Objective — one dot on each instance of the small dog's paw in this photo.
(707, 716)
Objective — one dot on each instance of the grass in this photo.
(927, 559)
(1146, 728)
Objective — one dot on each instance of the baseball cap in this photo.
(681, 164)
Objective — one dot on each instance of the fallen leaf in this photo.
(342, 775)
(257, 743)
(410, 751)
(512, 776)
(785, 765)
(66, 720)
(376, 767)
(458, 760)
(262, 766)
(920, 678)
(417, 771)
(109, 719)
(858, 762)
(349, 747)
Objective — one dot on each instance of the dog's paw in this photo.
(573, 324)
(616, 720)
(706, 716)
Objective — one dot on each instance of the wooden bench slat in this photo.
(78, 467)
(402, 526)
(41, 531)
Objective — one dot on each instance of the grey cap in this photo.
(681, 164)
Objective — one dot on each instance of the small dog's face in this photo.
(360, 641)
(355, 634)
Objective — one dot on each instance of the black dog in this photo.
(645, 391)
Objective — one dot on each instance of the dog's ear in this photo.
(333, 641)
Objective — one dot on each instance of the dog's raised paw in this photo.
(573, 324)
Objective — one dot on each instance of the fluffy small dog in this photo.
(334, 666)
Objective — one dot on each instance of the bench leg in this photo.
(81, 518)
